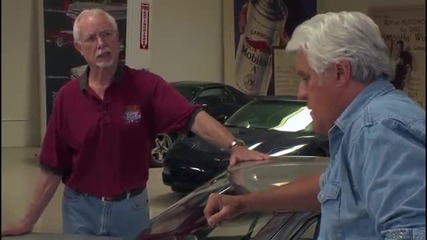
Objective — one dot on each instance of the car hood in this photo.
(200, 153)
(252, 135)
(277, 143)
(185, 216)
(277, 171)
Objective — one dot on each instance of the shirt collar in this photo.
(116, 78)
(374, 89)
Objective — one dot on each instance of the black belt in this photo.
(123, 196)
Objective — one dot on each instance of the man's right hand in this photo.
(222, 207)
(17, 228)
(45, 188)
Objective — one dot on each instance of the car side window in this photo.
(228, 97)
(218, 93)
(211, 92)
(310, 230)
(300, 226)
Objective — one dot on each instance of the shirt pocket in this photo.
(329, 192)
(330, 200)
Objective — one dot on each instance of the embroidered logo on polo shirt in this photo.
(132, 114)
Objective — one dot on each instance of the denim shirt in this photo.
(374, 186)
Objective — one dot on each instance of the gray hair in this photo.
(94, 11)
(353, 36)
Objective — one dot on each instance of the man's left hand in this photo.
(242, 153)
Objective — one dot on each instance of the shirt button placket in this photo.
(105, 114)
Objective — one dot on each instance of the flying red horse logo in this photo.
(260, 45)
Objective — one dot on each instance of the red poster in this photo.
(145, 18)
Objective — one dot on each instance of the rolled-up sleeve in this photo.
(55, 154)
(393, 177)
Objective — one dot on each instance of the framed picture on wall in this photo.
(286, 80)
(403, 30)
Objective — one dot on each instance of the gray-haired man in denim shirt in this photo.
(374, 186)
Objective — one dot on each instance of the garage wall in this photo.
(20, 118)
(185, 40)
(360, 5)
(186, 44)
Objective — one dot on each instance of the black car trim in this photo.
(192, 119)
(305, 225)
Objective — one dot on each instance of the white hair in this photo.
(353, 36)
(94, 11)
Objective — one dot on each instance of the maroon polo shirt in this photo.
(103, 147)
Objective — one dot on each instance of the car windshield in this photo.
(279, 115)
(189, 92)
(186, 218)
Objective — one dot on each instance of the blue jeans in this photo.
(87, 215)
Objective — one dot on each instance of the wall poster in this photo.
(60, 62)
(286, 80)
(403, 30)
(252, 29)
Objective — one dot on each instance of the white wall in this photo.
(20, 119)
(185, 40)
(359, 5)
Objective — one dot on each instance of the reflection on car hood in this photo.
(251, 136)
(186, 216)
(277, 171)
(254, 135)
(263, 140)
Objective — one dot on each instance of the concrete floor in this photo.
(18, 174)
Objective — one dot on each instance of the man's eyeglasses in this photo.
(104, 35)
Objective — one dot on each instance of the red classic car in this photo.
(60, 38)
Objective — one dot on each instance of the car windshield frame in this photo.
(273, 114)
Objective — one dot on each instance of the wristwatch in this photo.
(238, 142)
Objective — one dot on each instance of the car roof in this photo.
(278, 98)
(200, 84)
(257, 175)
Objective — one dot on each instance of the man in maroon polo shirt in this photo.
(100, 135)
